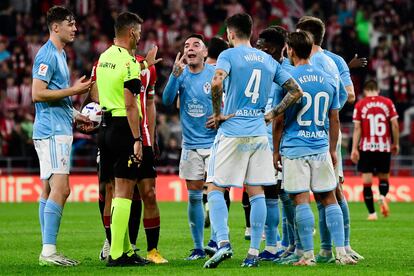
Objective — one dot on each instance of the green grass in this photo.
(386, 244)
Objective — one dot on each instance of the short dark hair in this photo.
(272, 36)
(313, 25)
(199, 36)
(371, 85)
(241, 23)
(280, 30)
(301, 42)
(216, 45)
(57, 14)
(126, 20)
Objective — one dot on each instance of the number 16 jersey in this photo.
(250, 76)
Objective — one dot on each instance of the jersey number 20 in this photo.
(316, 107)
(254, 79)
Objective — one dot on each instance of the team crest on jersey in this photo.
(43, 69)
(207, 87)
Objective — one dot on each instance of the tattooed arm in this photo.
(216, 96)
(294, 93)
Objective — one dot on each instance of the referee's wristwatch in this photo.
(139, 139)
(145, 64)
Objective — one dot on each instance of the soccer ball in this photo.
(94, 112)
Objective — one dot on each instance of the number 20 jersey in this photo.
(251, 73)
(307, 121)
(374, 114)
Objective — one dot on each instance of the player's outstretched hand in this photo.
(81, 85)
(355, 156)
(214, 121)
(357, 62)
(151, 57)
(178, 65)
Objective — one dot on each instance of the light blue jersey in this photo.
(275, 96)
(195, 105)
(343, 68)
(251, 73)
(323, 62)
(306, 122)
(54, 117)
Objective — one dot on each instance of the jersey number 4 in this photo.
(318, 117)
(254, 79)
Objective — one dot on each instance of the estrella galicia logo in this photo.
(207, 87)
(194, 108)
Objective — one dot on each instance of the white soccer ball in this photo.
(94, 112)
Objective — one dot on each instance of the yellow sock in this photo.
(121, 208)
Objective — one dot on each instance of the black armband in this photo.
(134, 86)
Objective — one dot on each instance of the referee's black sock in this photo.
(227, 198)
(152, 231)
(246, 207)
(384, 187)
(369, 198)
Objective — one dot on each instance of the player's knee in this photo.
(65, 191)
(149, 198)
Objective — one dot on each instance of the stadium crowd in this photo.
(380, 30)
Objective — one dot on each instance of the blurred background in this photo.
(382, 31)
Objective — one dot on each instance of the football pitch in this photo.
(386, 244)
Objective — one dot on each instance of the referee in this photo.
(120, 140)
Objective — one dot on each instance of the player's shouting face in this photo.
(195, 51)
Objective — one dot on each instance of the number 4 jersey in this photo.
(307, 121)
(374, 114)
(250, 76)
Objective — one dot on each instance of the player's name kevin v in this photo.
(312, 134)
(311, 78)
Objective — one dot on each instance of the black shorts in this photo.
(116, 144)
(147, 168)
(374, 162)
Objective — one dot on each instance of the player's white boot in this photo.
(103, 256)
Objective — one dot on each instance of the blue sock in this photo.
(347, 219)
(196, 217)
(272, 221)
(285, 237)
(305, 222)
(257, 219)
(219, 215)
(298, 242)
(326, 242)
(335, 224)
(42, 204)
(289, 210)
(52, 216)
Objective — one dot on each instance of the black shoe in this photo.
(126, 260)
(139, 260)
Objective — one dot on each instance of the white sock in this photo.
(309, 255)
(348, 248)
(48, 249)
(325, 253)
(299, 252)
(223, 243)
(271, 249)
(253, 251)
(340, 251)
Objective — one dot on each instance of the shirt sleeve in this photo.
(393, 111)
(93, 71)
(356, 117)
(43, 67)
(344, 72)
(343, 94)
(152, 81)
(281, 75)
(132, 70)
(335, 100)
(171, 90)
(223, 62)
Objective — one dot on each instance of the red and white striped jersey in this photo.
(374, 114)
(148, 79)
